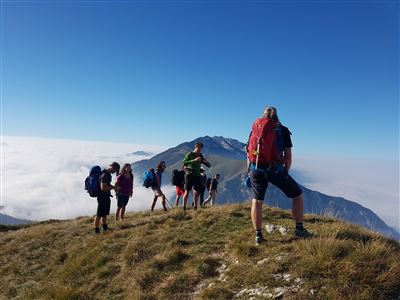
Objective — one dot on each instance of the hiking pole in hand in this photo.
(168, 202)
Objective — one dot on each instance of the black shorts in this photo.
(103, 206)
(260, 179)
(195, 182)
(122, 200)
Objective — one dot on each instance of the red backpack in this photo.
(265, 142)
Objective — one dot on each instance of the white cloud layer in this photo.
(44, 178)
(373, 184)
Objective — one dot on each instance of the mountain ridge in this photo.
(228, 157)
(204, 254)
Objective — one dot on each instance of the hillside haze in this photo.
(228, 158)
(9, 220)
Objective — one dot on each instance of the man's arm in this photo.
(158, 184)
(187, 160)
(206, 162)
(118, 182)
(288, 159)
(105, 187)
(131, 193)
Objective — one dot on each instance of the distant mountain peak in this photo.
(141, 153)
(219, 145)
(9, 220)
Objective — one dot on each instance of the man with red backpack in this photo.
(269, 158)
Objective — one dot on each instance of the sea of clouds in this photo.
(371, 183)
(44, 178)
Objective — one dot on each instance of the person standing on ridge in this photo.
(178, 180)
(204, 182)
(213, 188)
(125, 182)
(104, 198)
(156, 187)
(269, 158)
(192, 163)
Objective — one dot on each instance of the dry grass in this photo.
(209, 254)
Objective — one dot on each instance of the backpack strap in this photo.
(248, 141)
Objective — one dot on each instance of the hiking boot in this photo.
(303, 233)
(259, 239)
(97, 230)
(106, 228)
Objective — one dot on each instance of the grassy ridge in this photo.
(209, 254)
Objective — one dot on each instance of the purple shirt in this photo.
(126, 185)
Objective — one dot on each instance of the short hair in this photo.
(217, 175)
(115, 166)
(199, 145)
(161, 164)
(271, 112)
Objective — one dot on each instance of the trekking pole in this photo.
(168, 202)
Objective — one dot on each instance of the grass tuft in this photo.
(208, 267)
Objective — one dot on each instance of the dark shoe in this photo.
(97, 230)
(303, 233)
(106, 228)
(259, 240)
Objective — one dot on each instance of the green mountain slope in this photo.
(208, 254)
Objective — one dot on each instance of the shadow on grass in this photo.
(174, 262)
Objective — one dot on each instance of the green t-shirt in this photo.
(193, 167)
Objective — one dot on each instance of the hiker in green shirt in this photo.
(192, 164)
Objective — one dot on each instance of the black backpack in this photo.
(178, 177)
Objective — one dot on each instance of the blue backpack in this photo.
(149, 178)
(92, 182)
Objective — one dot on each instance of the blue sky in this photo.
(167, 72)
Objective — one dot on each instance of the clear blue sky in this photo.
(167, 72)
